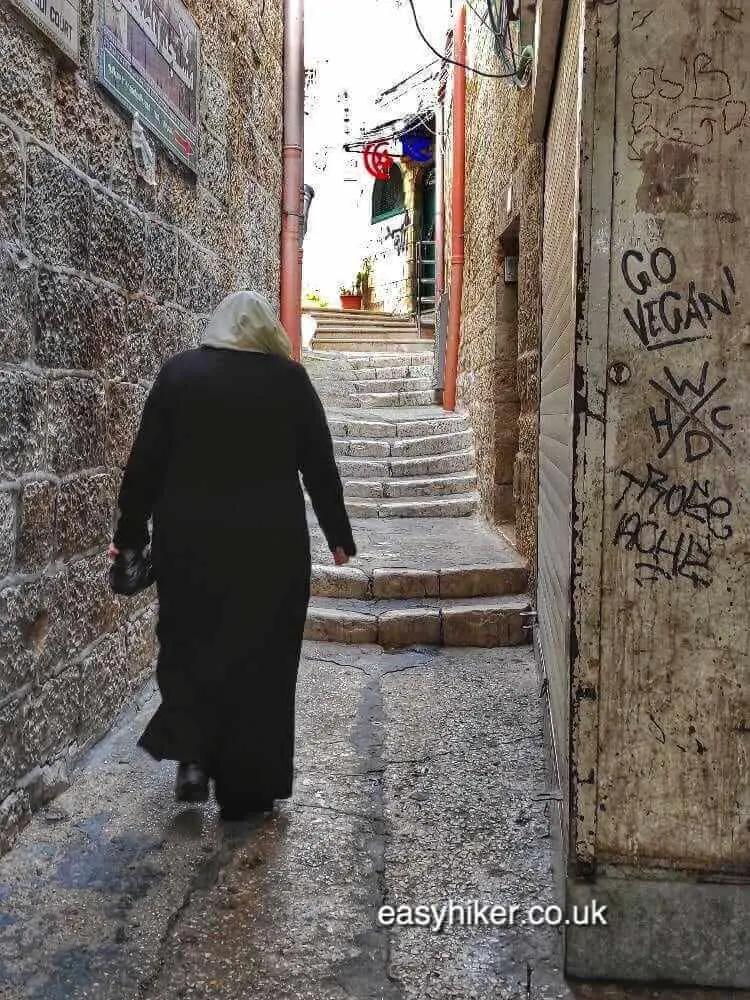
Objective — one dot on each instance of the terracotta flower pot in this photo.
(351, 302)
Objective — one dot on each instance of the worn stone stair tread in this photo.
(324, 344)
(408, 447)
(342, 428)
(452, 505)
(404, 398)
(373, 331)
(448, 505)
(364, 313)
(402, 582)
(359, 359)
(389, 488)
(401, 416)
(482, 621)
(340, 375)
(397, 468)
(387, 385)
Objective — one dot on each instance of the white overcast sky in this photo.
(374, 42)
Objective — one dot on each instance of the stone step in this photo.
(396, 489)
(397, 468)
(360, 315)
(423, 397)
(456, 505)
(434, 444)
(356, 360)
(461, 505)
(342, 427)
(388, 385)
(413, 371)
(408, 447)
(487, 622)
(346, 328)
(370, 345)
(344, 373)
(400, 583)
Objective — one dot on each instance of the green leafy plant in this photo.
(356, 288)
(315, 299)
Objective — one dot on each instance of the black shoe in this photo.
(191, 784)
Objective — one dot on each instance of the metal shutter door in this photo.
(555, 397)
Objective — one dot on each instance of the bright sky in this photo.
(374, 42)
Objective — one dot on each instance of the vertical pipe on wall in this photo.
(293, 171)
(440, 205)
(458, 186)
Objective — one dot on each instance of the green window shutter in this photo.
(388, 196)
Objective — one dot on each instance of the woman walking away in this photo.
(225, 432)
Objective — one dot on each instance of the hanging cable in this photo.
(481, 18)
(470, 69)
(504, 46)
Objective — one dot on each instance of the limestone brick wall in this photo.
(498, 360)
(102, 277)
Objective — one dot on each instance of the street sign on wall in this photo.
(58, 20)
(148, 59)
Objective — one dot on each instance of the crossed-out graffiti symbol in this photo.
(700, 427)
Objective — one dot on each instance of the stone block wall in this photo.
(500, 323)
(103, 277)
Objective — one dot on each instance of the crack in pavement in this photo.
(206, 878)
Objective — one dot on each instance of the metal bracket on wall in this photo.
(532, 617)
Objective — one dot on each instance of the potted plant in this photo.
(351, 296)
(367, 284)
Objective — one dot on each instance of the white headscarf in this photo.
(244, 321)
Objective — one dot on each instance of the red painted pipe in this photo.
(458, 189)
(293, 175)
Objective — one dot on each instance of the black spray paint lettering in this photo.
(686, 416)
(670, 317)
(696, 501)
(689, 558)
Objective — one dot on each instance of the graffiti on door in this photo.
(674, 528)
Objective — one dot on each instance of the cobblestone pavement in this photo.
(420, 778)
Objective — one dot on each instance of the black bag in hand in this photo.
(131, 572)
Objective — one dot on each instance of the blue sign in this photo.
(417, 147)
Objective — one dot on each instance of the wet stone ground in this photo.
(420, 777)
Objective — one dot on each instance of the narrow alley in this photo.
(374, 492)
(420, 775)
(420, 771)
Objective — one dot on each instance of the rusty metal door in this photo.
(555, 405)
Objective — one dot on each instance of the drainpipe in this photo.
(292, 183)
(457, 211)
(440, 206)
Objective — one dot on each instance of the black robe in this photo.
(216, 462)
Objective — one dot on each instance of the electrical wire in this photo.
(454, 62)
(500, 29)
(481, 18)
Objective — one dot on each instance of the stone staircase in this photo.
(343, 330)
(399, 454)
(429, 571)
